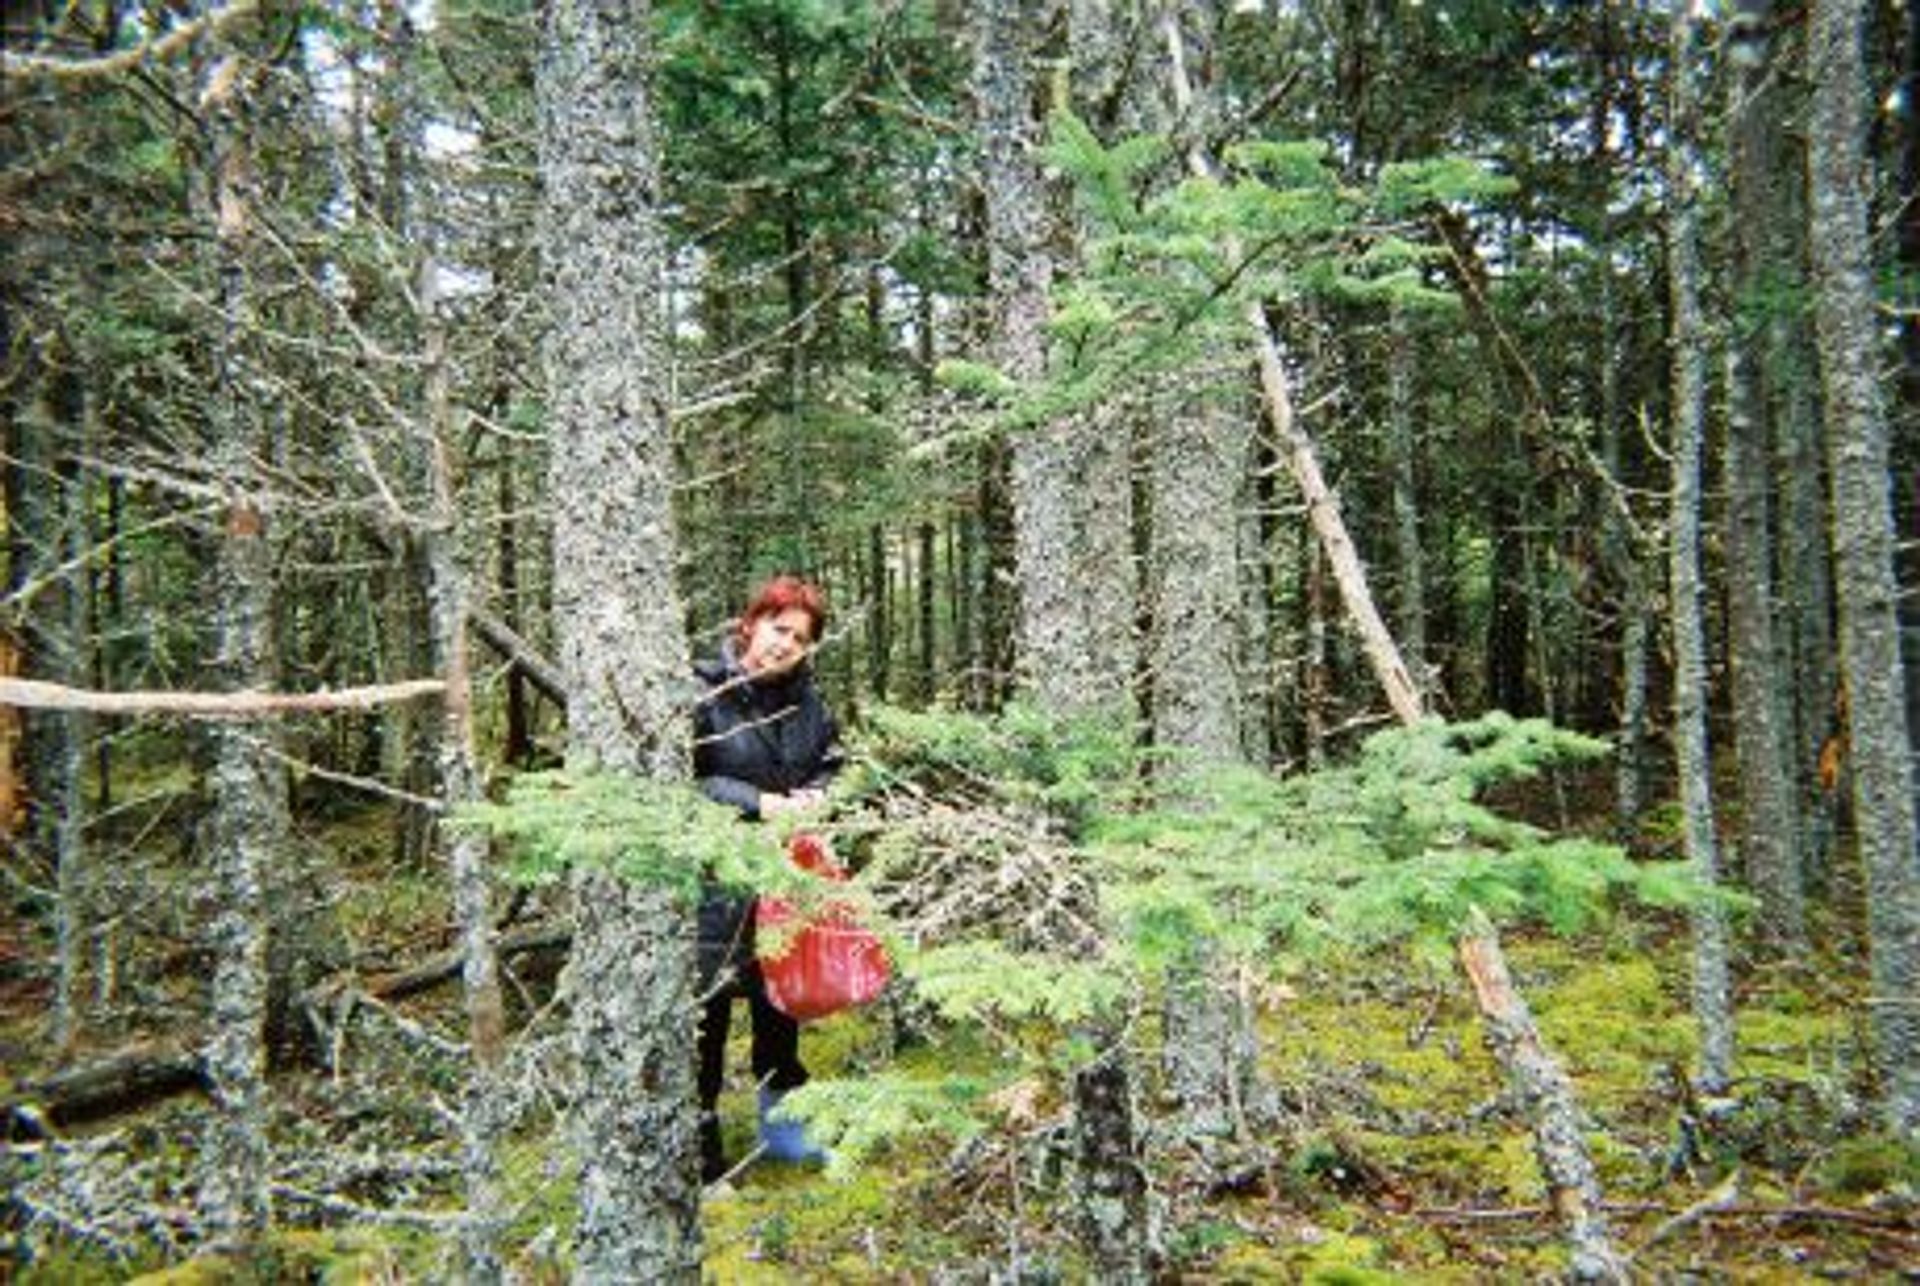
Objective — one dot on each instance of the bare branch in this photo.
(35, 694)
(176, 41)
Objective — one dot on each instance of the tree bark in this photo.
(1412, 596)
(1113, 1185)
(619, 628)
(1199, 455)
(248, 827)
(1768, 826)
(1712, 989)
(485, 1111)
(1864, 543)
(74, 908)
(1062, 668)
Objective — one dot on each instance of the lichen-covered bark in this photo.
(1768, 830)
(1712, 990)
(1052, 652)
(1115, 1229)
(1537, 1078)
(1071, 535)
(618, 630)
(1199, 456)
(484, 1113)
(1863, 542)
(621, 643)
(248, 827)
(1412, 597)
(73, 912)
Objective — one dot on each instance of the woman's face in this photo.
(777, 642)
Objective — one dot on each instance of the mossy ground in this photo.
(1391, 1152)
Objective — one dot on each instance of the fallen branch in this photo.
(444, 966)
(1719, 1199)
(328, 1203)
(36, 694)
(1876, 1221)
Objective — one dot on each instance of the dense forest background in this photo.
(1226, 432)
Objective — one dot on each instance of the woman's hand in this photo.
(797, 801)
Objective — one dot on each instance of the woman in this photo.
(764, 744)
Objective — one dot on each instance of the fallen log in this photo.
(143, 1074)
(120, 1082)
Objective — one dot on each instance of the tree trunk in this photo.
(1316, 683)
(1198, 460)
(1863, 538)
(1113, 1185)
(1019, 274)
(1768, 828)
(1323, 510)
(929, 679)
(1712, 990)
(484, 1114)
(620, 636)
(70, 645)
(1062, 669)
(1508, 611)
(248, 827)
(879, 618)
(1412, 596)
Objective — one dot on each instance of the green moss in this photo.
(1789, 1041)
(1609, 1022)
(1249, 1262)
(326, 1259)
(1874, 1163)
(784, 1222)
(1340, 1259)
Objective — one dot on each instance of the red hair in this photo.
(777, 596)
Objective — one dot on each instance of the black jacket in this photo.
(747, 738)
(750, 737)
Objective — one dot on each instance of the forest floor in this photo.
(1387, 1149)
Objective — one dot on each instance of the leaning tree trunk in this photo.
(248, 827)
(1558, 1142)
(1537, 1077)
(618, 627)
(1711, 989)
(1864, 542)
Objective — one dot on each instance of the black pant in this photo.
(776, 1037)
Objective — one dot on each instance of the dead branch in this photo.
(37, 694)
(162, 47)
(442, 967)
(1870, 1220)
(540, 672)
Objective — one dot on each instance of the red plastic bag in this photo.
(830, 962)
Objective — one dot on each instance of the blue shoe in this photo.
(781, 1137)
